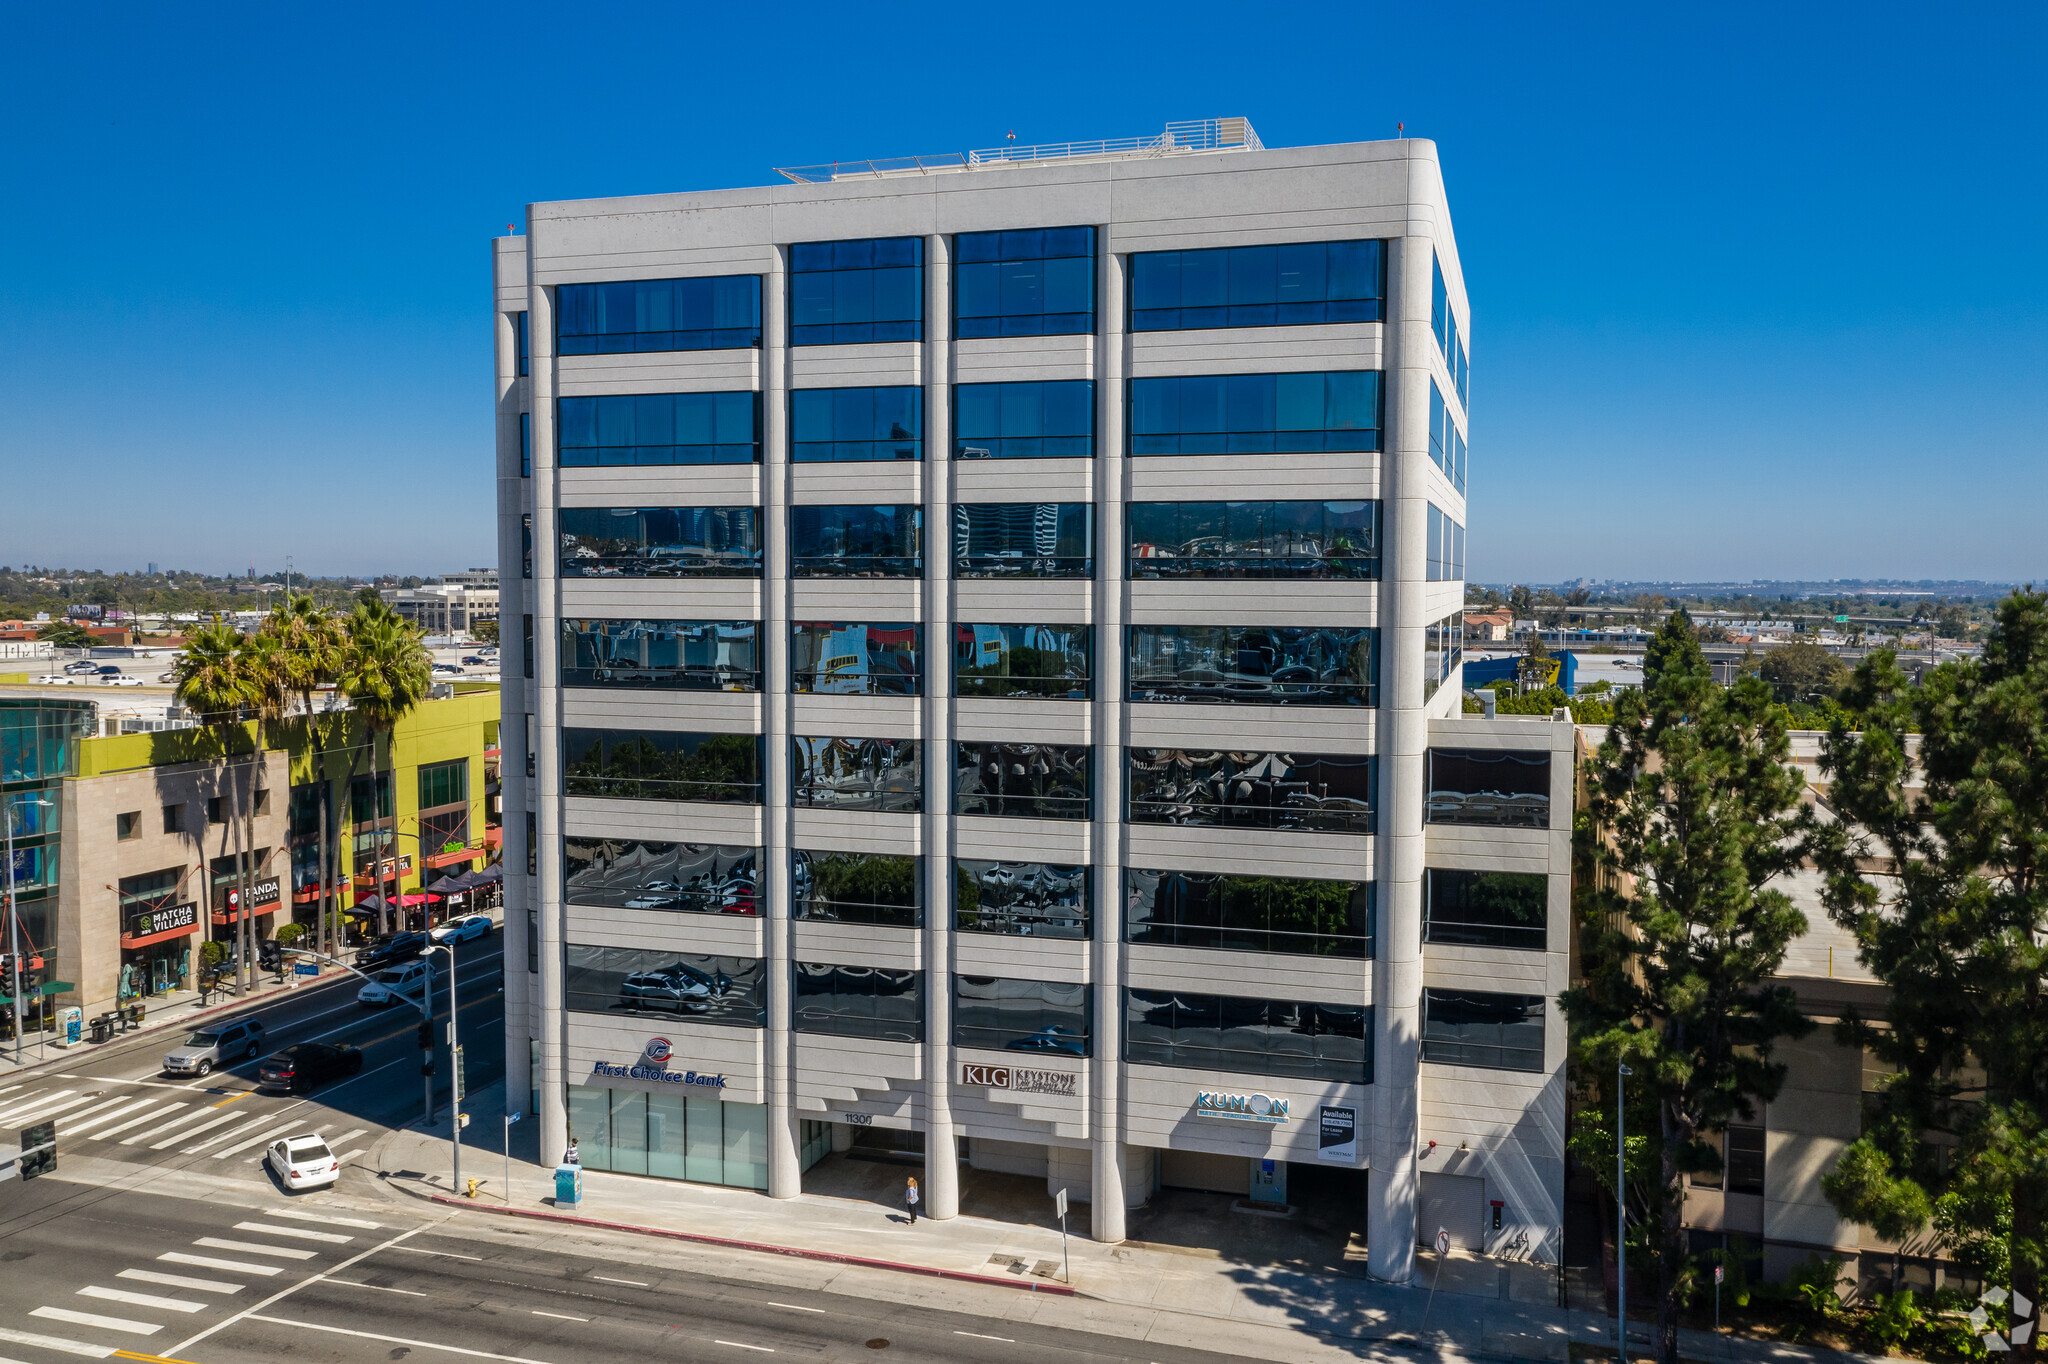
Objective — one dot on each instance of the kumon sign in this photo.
(1244, 1107)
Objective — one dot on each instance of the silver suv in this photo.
(220, 1044)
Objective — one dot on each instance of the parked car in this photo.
(674, 989)
(408, 982)
(219, 1044)
(462, 929)
(297, 1069)
(386, 951)
(302, 1162)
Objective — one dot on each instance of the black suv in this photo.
(297, 1069)
(396, 948)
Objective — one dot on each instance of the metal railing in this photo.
(1178, 138)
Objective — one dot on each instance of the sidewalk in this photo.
(1482, 1307)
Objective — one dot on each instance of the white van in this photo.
(408, 981)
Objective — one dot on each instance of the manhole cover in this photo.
(878, 1344)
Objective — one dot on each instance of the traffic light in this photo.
(270, 954)
(426, 1036)
(427, 1066)
(38, 1150)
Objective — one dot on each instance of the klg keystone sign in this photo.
(1245, 1107)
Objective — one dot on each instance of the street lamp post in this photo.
(14, 926)
(1621, 1214)
(454, 1069)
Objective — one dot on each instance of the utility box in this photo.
(568, 1186)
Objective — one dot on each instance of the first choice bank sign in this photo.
(653, 1065)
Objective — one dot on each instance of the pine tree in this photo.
(1694, 813)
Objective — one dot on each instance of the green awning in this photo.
(54, 987)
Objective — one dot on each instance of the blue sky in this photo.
(1759, 291)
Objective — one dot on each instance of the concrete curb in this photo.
(727, 1243)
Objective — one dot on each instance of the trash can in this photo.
(568, 1186)
(103, 1028)
(132, 1015)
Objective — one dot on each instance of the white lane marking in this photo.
(630, 1283)
(324, 1219)
(118, 1080)
(558, 1316)
(139, 1299)
(332, 1238)
(139, 1328)
(257, 1140)
(79, 1129)
(57, 1343)
(349, 1135)
(976, 1335)
(252, 1248)
(389, 1340)
(27, 1102)
(180, 1281)
(792, 1307)
(742, 1345)
(190, 1132)
(12, 1117)
(283, 1293)
(151, 1116)
(98, 1108)
(11, 1088)
(179, 1257)
(351, 1283)
(444, 1254)
(249, 1126)
(346, 1156)
(321, 1130)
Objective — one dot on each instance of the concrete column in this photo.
(546, 698)
(785, 1170)
(1107, 1185)
(941, 1193)
(1403, 739)
(515, 793)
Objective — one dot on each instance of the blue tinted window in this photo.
(856, 542)
(679, 655)
(842, 424)
(845, 658)
(519, 339)
(1445, 548)
(1024, 421)
(1258, 286)
(1444, 322)
(1446, 442)
(1268, 665)
(1023, 539)
(1255, 413)
(659, 428)
(846, 292)
(1023, 660)
(659, 542)
(657, 314)
(1032, 283)
(998, 1013)
(525, 442)
(1253, 540)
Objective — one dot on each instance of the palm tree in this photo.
(310, 639)
(267, 671)
(212, 680)
(385, 674)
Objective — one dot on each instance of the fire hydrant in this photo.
(470, 1192)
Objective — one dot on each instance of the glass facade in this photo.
(526, 445)
(857, 774)
(1029, 420)
(999, 1013)
(1481, 786)
(842, 293)
(859, 1001)
(694, 987)
(1024, 540)
(1473, 1028)
(1443, 649)
(721, 313)
(1280, 1039)
(668, 655)
(1236, 913)
(856, 542)
(1260, 540)
(1258, 286)
(1023, 660)
(1300, 665)
(1445, 547)
(659, 542)
(697, 1137)
(843, 658)
(1446, 441)
(1023, 899)
(1444, 322)
(520, 344)
(1037, 282)
(1250, 414)
(661, 764)
(850, 425)
(1034, 781)
(1330, 793)
(39, 746)
(679, 878)
(1486, 908)
(879, 889)
(658, 428)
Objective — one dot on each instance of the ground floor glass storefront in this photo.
(698, 1137)
(156, 968)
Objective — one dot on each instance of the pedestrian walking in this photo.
(569, 1157)
(910, 1199)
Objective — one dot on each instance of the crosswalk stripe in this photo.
(190, 1132)
(97, 1108)
(249, 1126)
(349, 1135)
(179, 1257)
(79, 1129)
(23, 1102)
(321, 1130)
(57, 1343)
(41, 1104)
(180, 1281)
(253, 1248)
(151, 1116)
(140, 1328)
(257, 1140)
(346, 1156)
(300, 1215)
(139, 1299)
(11, 1088)
(295, 1233)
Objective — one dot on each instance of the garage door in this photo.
(1206, 1171)
(1457, 1203)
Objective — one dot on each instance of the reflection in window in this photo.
(1446, 441)
(856, 542)
(526, 445)
(1039, 282)
(1443, 649)
(1444, 548)
(1741, 1148)
(683, 985)
(722, 313)
(683, 878)
(1470, 1028)
(1258, 286)
(658, 428)
(678, 655)
(1299, 665)
(998, 1013)
(842, 293)
(1025, 899)
(660, 542)
(1255, 413)
(1023, 540)
(519, 342)
(1314, 540)
(837, 425)
(1037, 781)
(1480, 786)
(879, 889)
(1235, 913)
(842, 658)
(1253, 790)
(1283, 1039)
(1444, 322)
(662, 764)
(857, 774)
(859, 1001)
(1022, 660)
(1030, 420)
(1486, 908)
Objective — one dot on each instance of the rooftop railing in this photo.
(1178, 139)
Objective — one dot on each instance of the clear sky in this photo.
(1759, 290)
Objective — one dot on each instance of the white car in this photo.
(409, 981)
(121, 680)
(462, 929)
(53, 680)
(302, 1162)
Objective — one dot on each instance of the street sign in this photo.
(305, 968)
(39, 1149)
(512, 1118)
(1059, 1203)
(1443, 1240)
(1720, 1271)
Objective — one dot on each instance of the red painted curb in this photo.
(1059, 1290)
